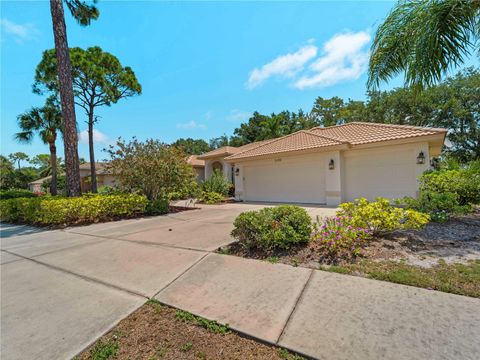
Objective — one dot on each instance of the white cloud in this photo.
(345, 57)
(98, 137)
(284, 66)
(237, 115)
(191, 125)
(20, 32)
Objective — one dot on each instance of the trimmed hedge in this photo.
(68, 211)
(278, 227)
(16, 193)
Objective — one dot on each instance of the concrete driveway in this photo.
(62, 289)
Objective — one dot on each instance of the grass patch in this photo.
(273, 259)
(461, 279)
(104, 350)
(210, 325)
(287, 355)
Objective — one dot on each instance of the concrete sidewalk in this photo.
(63, 289)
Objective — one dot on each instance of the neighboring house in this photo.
(198, 167)
(104, 176)
(36, 186)
(330, 165)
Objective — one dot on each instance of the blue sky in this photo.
(204, 66)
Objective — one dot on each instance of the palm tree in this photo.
(423, 39)
(47, 122)
(83, 13)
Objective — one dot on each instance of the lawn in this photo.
(156, 331)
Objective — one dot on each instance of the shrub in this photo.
(464, 183)
(16, 193)
(380, 216)
(110, 190)
(279, 227)
(61, 185)
(211, 198)
(157, 207)
(188, 191)
(438, 205)
(59, 210)
(217, 183)
(338, 239)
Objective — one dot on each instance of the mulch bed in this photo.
(457, 240)
(154, 332)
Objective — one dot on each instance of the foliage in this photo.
(151, 167)
(61, 185)
(423, 39)
(464, 183)
(279, 227)
(18, 157)
(16, 193)
(192, 147)
(104, 351)
(157, 207)
(69, 211)
(211, 197)
(461, 279)
(188, 191)
(110, 190)
(210, 325)
(380, 216)
(217, 183)
(338, 239)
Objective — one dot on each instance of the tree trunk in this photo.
(93, 172)
(53, 165)
(66, 99)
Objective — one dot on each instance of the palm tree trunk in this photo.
(66, 99)
(93, 172)
(53, 165)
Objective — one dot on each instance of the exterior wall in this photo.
(226, 168)
(284, 179)
(333, 177)
(36, 188)
(199, 174)
(387, 171)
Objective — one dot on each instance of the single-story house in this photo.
(330, 165)
(104, 177)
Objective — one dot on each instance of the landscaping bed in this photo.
(156, 331)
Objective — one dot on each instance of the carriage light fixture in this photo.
(331, 164)
(421, 158)
(237, 171)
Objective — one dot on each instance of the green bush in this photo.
(110, 190)
(338, 239)
(217, 184)
(157, 207)
(188, 191)
(279, 227)
(211, 198)
(67, 211)
(16, 193)
(380, 216)
(464, 183)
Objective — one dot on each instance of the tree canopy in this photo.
(192, 146)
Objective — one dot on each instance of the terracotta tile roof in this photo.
(195, 161)
(301, 140)
(350, 134)
(222, 151)
(357, 133)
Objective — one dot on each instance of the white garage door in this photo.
(288, 180)
(371, 174)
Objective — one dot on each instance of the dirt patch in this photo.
(454, 241)
(155, 332)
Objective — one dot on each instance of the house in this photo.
(104, 176)
(198, 166)
(330, 165)
(36, 186)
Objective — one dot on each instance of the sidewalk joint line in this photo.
(180, 275)
(83, 277)
(295, 306)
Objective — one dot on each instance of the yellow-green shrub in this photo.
(380, 216)
(60, 210)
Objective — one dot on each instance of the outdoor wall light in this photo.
(237, 171)
(421, 158)
(331, 164)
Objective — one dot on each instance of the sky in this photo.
(204, 67)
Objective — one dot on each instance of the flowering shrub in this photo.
(279, 227)
(380, 216)
(60, 210)
(338, 239)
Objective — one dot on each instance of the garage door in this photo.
(371, 174)
(288, 180)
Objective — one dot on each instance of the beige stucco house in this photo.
(330, 165)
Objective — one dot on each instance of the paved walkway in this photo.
(63, 289)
